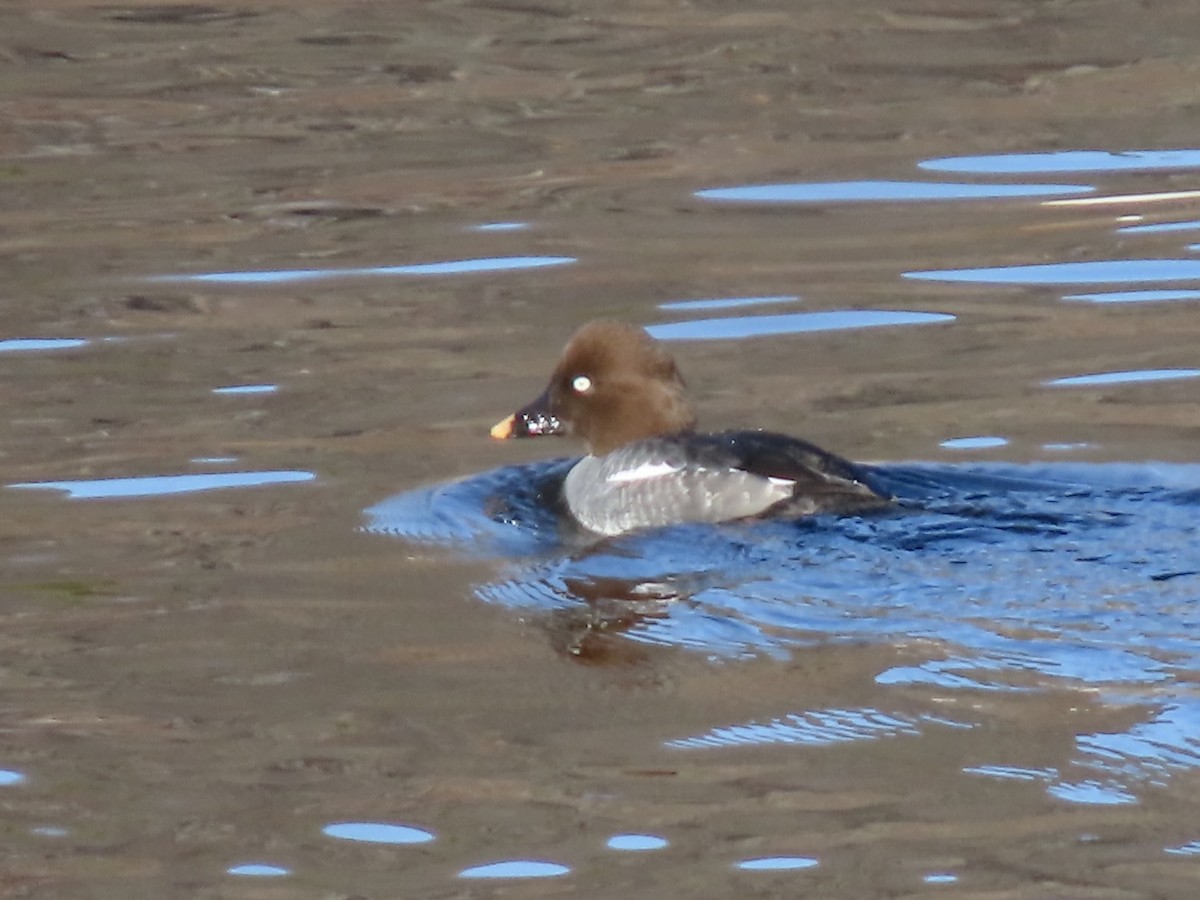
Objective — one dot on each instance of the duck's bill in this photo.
(528, 422)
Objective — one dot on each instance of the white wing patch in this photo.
(643, 472)
(781, 482)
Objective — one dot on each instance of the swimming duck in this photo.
(618, 390)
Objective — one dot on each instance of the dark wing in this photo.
(823, 480)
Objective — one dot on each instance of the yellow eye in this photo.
(581, 384)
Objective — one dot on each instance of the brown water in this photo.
(201, 680)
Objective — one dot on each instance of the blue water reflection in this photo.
(450, 267)
(1161, 227)
(816, 728)
(1060, 161)
(1012, 773)
(778, 863)
(378, 833)
(940, 878)
(10, 777)
(636, 842)
(883, 192)
(159, 485)
(27, 345)
(1109, 271)
(1092, 793)
(792, 323)
(501, 226)
(724, 303)
(1135, 296)
(979, 442)
(1134, 376)
(1087, 791)
(258, 870)
(1016, 579)
(247, 389)
(516, 868)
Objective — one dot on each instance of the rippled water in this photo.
(1007, 577)
(267, 265)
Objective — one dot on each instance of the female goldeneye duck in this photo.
(617, 389)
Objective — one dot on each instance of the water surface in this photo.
(397, 213)
(1049, 577)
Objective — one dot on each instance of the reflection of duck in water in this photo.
(616, 388)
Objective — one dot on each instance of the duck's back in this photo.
(711, 478)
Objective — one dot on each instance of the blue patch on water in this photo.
(516, 868)
(1133, 376)
(636, 842)
(1044, 577)
(1134, 296)
(979, 442)
(940, 878)
(1012, 773)
(27, 345)
(160, 485)
(790, 323)
(377, 833)
(10, 776)
(247, 389)
(505, 512)
(883, 192)
(1106, 271)
(1161, 227)
(1092, 793)
(815, 728)
(1060, 161)
(450, 267)
(501, 226)
(258, 870)
(725, 303)
(778, 863)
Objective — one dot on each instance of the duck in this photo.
(618, 390)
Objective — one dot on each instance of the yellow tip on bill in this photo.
(502, 431)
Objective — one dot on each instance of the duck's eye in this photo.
(581, 384)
